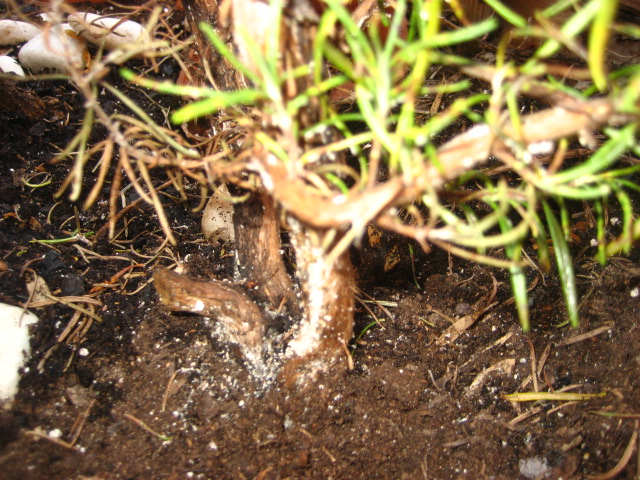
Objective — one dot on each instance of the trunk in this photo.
(258, 255)
(320, 339)
(323, 317)
(320, 344)
(217, 70)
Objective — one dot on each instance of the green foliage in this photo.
(383, 68)
(565, 264)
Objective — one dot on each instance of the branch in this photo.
(319, 211)
(463, 153)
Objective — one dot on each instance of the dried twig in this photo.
(624, 460)
(585, 336)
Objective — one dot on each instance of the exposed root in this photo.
(319, 343)
(240, 319)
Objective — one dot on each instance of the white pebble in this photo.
(534, 467)
(10, 65)
(217, 218)
(109, 32)
(14, 347)
(12, 32)
(56, 48)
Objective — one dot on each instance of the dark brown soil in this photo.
(149, 394)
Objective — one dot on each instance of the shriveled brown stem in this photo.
(303, 202)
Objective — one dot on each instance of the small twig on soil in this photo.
(152, 258)
(144, 426)
(585, 336)
(64, 301)
(71, 304)
(481, 307)
(458, 443)
(91, 255)
(328, 454)
(504, 366)
(616, 414)
(57, 441)
(534, 372)
(158, 251)
(78, 425)
(560, 407)
(551, 396)
(524, 416)
(165, 397)
(543, 358)
(577, 440)
(349, 357)
(140, 288)
(501, 341)
(540, 369)
(70, 326)
(114, 278)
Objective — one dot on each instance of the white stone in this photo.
(14, 347)
(10, 65)
(56, 48)
(109, 32)
(12, 32)
(534, 467)
(217, 218)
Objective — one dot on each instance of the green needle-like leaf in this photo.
(565, 265)
(598, 39)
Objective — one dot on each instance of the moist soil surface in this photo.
(139, 392)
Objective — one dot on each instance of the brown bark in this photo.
(220, 73)
(258, 255)
(320, 344)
